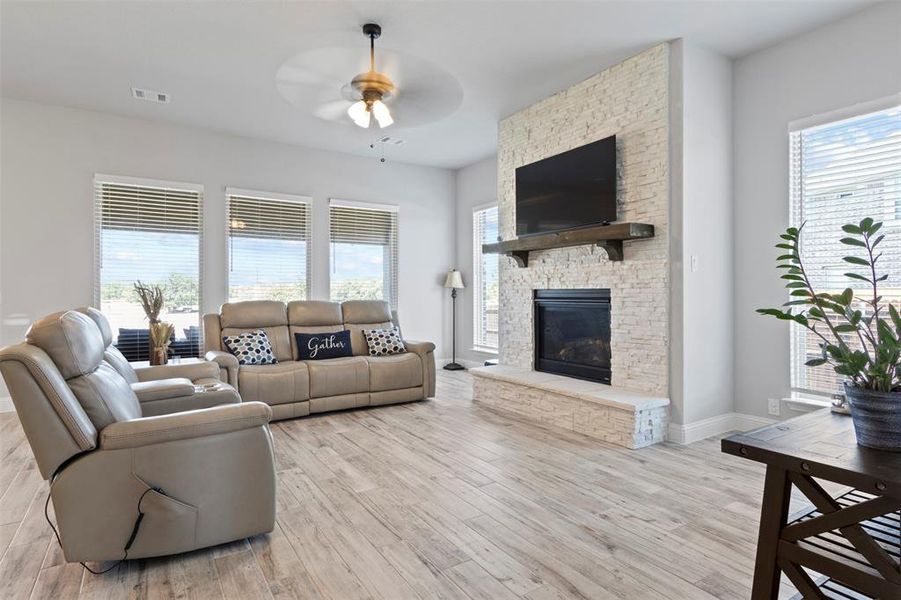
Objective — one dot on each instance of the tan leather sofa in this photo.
(201, 477)
(296, 388)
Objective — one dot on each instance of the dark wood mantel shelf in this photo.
(609, 237)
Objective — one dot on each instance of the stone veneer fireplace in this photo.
(629, 100)
(572, 333)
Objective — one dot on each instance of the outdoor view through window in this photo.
(842, 172)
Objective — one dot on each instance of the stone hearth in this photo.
(623, 417)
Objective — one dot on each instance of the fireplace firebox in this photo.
(572, 333)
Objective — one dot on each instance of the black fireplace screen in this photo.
(572, 333)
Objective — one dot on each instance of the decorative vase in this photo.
(877, 418)
(159, 355)
(160, 334)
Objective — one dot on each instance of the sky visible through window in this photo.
(841, 173)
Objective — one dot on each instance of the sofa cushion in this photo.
(321, 346)
(384, 342)
(71, 339)
(105, 396)
(312, 316)
(253, 314)
(274, 384)
(314, 313)
(278, 340)
(337, 376)
(364, 314)
(250, 348)
(394, 372)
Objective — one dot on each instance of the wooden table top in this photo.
(821, 444)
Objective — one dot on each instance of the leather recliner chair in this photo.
(163, 389)
(200, 477)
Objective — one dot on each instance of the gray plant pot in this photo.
(877, 418)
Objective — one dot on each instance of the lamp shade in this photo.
(454, 280)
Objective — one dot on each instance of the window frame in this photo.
(796, 203)
(231, 192)
(99, 180)
(477, 276)
(394, 283)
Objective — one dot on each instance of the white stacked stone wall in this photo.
(628, 100)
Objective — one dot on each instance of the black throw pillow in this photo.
(318, 346)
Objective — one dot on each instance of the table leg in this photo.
(773, 517)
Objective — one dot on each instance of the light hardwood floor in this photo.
(438, 499)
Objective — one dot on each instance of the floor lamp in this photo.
(454, 281)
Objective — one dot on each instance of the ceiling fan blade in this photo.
(332, 111)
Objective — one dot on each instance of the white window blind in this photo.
(268, 246)
(363, 252)
(148, 231)
(485, 280)
(842, 172)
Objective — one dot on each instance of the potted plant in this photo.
(160, 333)
(869, 358)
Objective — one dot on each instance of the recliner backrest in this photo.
(56, 425)
(111, 354)
(269, 315)
(74, 343)
(313, 316)
(364, 314)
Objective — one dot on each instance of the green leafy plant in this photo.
(871, 364)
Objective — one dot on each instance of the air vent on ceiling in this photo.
(150, 95)
(391, 141)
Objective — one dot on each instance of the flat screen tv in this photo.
(567, 191)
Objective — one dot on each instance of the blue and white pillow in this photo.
(384, 342)
(251, 348)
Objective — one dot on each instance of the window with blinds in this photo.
(148, 231)
(842, 172)
(268, 246)
(485, 280)
(363, 252)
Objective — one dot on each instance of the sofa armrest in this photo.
(420, 348)
(190, 424)
(227, 363)
(192, 371)
(162, 389)
(426, 352)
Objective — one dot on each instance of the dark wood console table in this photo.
(847, 546)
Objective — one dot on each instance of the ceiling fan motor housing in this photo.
(372, 30)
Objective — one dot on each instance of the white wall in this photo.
(706, 254)
(846, 62)
(476, 186)
(50, 155)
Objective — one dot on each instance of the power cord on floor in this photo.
(131, 539)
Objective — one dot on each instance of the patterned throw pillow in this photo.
(383, 342)
(250, 348)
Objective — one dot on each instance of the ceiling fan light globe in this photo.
(360, 114)
(382, 114)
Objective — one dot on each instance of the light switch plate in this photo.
(775, 407)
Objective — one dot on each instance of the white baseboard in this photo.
(6, 404)
(469, 364)
(705, 428)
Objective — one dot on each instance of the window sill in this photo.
(803, 403)
(483, 350)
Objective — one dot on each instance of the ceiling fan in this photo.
(372, 88)
(319, 81)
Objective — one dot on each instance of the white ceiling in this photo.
(218, 60)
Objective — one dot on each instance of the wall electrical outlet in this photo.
(775, 407)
